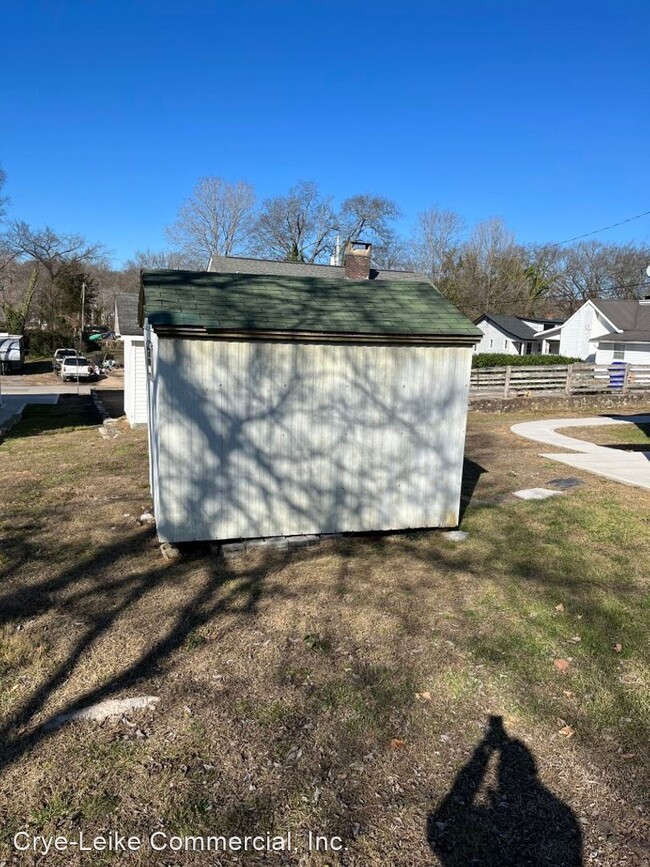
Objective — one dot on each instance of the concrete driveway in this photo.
(630, 468)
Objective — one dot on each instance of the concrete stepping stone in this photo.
(112, 707)
(455, 535)
(536, 494)
(565, 484)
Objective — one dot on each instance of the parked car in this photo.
(77, 367)
(59, 355)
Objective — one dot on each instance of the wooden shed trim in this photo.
(199, 333)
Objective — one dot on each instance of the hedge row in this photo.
(43, 343)
(501, 359)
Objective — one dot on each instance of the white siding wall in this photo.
(635, 353)
(500, 341)
(135, 381)
(581, 328)
(151, 350)
(253, 439)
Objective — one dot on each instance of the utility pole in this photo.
(81, 327)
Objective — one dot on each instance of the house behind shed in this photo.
(135, 369)
(295, 404)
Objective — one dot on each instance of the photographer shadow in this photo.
(518, 824)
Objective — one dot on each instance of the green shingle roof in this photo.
(257, 302)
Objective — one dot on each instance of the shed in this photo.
(282, 405)
(135, 369)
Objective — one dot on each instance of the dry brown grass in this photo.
(338, 689)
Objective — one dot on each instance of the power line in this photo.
(597, 231)
(627, 286)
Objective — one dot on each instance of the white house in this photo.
(603, 331)
(515, 335)
(293, 403)
(135, 369)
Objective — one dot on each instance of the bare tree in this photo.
(57, 262)
(297, 227)
(368, 217)
(393, 253)
(3, 199)
(166, 260)
(628, 263)
(489, 275)
(437, 241)
(593, 269)
(216, 219)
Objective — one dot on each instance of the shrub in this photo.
(43, 343)
(501, 359)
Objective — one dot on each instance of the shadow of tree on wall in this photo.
(274, 439)
(520, 822)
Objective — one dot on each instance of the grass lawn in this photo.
(343, 689)
(633, 437)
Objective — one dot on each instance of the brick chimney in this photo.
(356, 260)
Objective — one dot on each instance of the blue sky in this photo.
(535, 111)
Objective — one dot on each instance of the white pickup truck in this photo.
(59, 355)
(77, 367)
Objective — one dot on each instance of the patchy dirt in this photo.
(398, 691)
(40, 373)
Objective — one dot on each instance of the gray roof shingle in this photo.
(126, 314)
(242, 265)
(513, 325)
(624, 337)
(626, 315)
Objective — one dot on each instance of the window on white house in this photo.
(505, 343)
(148, 351)
(619, 352)
(491, 343)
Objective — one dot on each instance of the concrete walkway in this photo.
(630, 468)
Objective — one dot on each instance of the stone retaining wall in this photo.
(550, 403)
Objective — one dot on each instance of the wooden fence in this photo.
(515, 381)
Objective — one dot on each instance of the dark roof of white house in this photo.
(626, 315)
(512, 325)
(624, 337)
(126, 314)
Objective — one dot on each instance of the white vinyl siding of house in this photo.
(150, 355)
(577, 337)
(495, 340)
(135, 380)
(253, 438)
(633, 353)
